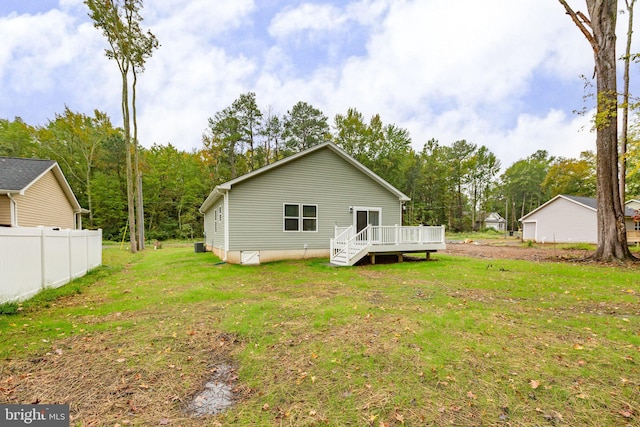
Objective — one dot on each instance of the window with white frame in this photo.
(299, 217)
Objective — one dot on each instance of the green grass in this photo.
(454, 341)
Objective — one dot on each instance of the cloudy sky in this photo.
(500, 73)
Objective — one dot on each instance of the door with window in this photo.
(365, 216)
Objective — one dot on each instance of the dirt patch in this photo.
(515, 251)
(106, 382)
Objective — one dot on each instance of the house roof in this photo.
(586, 202)
(18, 174)
(220, 189)
(495, 216)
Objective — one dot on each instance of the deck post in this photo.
(400, 259)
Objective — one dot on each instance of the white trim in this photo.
(225, 221)
(535, 234)
(214, 195)
(365, 208)
(300, 217)
(13, 210)
(559, 196)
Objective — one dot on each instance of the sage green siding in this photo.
(321, 178)
(214, 225)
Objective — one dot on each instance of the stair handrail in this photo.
(342, 241)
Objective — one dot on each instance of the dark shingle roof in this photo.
(16, 174)
(587, 201)
(592, 203)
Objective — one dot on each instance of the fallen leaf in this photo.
(626, 414)
(163, 422)
(265, 407)
(312, 413)
(120, 360)
(399, 418)
(534, 384)
(577, 347)
(470, 395)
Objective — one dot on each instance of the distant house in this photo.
(633, 227)
(566, 219)
(633, 204)
(320, 202)
(34, 192)
(496, 221)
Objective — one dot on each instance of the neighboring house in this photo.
(320, 202)
(566, 219)
(633, 227)
(496, 221)
(34, 192)
(633, 204)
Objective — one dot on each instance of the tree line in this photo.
(455, 184)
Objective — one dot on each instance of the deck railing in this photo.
(346, 244)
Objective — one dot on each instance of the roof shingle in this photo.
(16, 174)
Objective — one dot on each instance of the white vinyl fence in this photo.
(35, 258)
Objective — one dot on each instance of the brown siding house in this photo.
(34, 192)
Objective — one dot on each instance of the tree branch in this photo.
(580, 20)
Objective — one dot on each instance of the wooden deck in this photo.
(348, 247)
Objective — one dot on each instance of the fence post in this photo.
(42, 263)
(70, 254)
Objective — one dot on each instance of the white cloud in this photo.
(444, 70)
(306, 17)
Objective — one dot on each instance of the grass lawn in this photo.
(452, 341)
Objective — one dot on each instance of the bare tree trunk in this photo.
(625, 106)
(138, 176)
(600, 31)
(128, 149)
(612, 236)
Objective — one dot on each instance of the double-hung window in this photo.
(299, 217)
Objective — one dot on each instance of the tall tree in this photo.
(223, 140)
(460, 161)
(576, 177)
(74, 141)
(521, 185)
(484, 168)
(249, 121)
(600, 31)
(625, 103)
(385, 149)
(17, 138)
(304, 127)
(271, 131)
(430, 198)
(129, 46)
(351, 133)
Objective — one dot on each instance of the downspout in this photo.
(13, 210)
